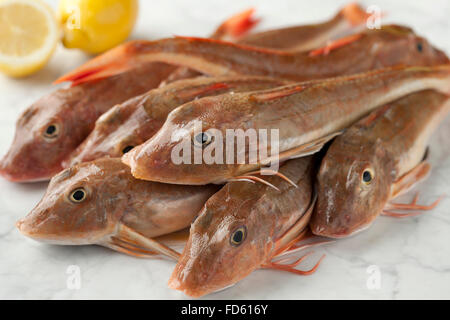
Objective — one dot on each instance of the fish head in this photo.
(400, 45)
(224, 245)
(190, 147)
(45, 135)
(81, 204)
(353, 185)
(115, 133)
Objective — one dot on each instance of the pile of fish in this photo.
(353, 108)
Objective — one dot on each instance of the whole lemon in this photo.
(95, 26)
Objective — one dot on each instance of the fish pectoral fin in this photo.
(291, 267)
(110, 63)
(133, 237)
(128, 248)
(305, 149)
(410, 179)
(408, 207)
(297, 232)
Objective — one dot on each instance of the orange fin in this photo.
(278, 94)
(238, 25)
(410, 179)
(202, 91)
(129, 249)
(333, 45)
(291, 267)
(354, 14)
(112, 62)
(375, 115)
(408, 207)
(138, 240)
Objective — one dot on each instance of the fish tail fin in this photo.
(354, 14)
(112, 62)
(238, 25)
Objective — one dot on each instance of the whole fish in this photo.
(132, 123)
(374, 161)
(377, 48)
(49, 130)
(243, 227)
(101, 203)
(304, 117)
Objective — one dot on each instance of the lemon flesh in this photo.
(96, 26)
(28, 36)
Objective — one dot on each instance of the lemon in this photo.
(95, 26)
(29, 33)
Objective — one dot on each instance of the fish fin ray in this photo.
(110, 63)
(289, 268)
(410, 179)
(137, 239)
(335, 44)
(237, 25)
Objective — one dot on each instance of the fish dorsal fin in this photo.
(278, 94)
(335, 44)
(354, 14)
(238, 25)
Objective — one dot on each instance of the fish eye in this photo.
(202, 139)
(238, 236)
(367, 176)
(52, 131)
(127, 149)
(419, 47)
(77, 195)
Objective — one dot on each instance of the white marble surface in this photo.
(413, 255)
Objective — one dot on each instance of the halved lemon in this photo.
(29, 33)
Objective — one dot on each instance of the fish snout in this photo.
(25, 228)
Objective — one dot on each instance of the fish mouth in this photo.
(175, 284)
(10, 170)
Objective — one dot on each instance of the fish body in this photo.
(388, 46)
(49, 130)
(241, 228)
(135, 121)
(92, 202)
(305, 115)
(363, 168)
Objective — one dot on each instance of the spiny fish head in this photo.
(45, 135)
(115, 134)
(400, 45)
(224, 246)
(353, 185)
(183, 151)
(81, 204)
